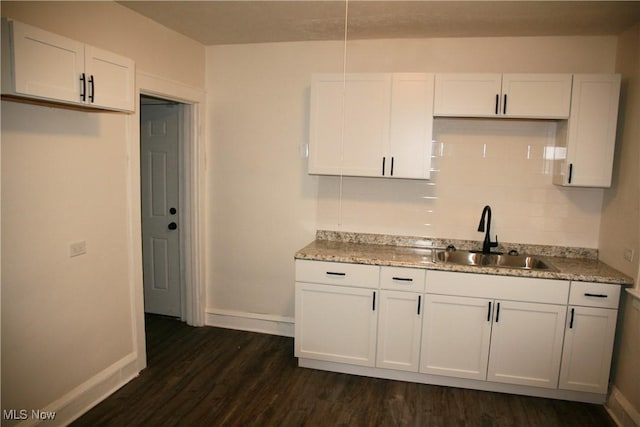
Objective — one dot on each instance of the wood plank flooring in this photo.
(219, 377)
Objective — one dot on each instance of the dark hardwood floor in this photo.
(219, 377)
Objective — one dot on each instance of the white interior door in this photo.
(159, 130)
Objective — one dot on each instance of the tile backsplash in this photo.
(475, 162)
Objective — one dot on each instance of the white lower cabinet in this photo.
(589, 337)
(399, 330)
(484, 339)
(456, 336)
(544, 337)
(526, 343)
(336, 323)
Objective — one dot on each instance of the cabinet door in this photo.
(411, 132)
(336, 323)
(110, 80)
(588, 346)
(46, 66)
(456, 336)
(584, 156)
(542, 96)
(467, 95)
(526, 344)
(349, 129)
(400, 327)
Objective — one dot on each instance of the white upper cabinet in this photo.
(534, 96)
(585, 143)
(43, 65)
(411, 128)
(111, 81)
(349, 123)
(371, 125)
(467, 95)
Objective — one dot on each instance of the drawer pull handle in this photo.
(403, 279)
(83, 93)
(595, 295)
(333, 273)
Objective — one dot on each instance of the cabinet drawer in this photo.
(594, 294)
(402, 278)
(337, 273)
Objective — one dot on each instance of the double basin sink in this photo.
(479, 259)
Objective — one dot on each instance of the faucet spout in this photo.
(487, 244)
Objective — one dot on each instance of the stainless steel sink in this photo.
(493, 260)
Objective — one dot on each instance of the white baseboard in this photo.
(78, 401)
(253, 322)
(621, 410)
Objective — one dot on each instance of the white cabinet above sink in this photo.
(531, 96)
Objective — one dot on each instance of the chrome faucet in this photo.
(487, 244)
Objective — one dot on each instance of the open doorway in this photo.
(160, 182)
(184, 107)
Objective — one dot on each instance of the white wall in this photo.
(264, 206)
(621, 229)
(72, 327)
(63, 319)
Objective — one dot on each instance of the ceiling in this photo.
(241, 21)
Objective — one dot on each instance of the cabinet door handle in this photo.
(92, 88)
(489, 313)
(83, 90)
(384, 159)
(497, 103)
(504, 105)
(335, 273)
(573, 312)
(403, 279)
(392, 159)
(419, 301)
(498, 313)
(570, 172)
(595, 295)
(373, 305)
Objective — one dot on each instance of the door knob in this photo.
(172, 211)
(172, 226)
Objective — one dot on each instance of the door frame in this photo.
(192, 201)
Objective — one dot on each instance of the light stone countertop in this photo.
(577, 264)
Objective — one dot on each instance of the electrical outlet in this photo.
(628, 254)
(77, 248)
